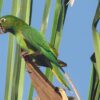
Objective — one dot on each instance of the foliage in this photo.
(15, 73)
(15, 65)
(94, 92)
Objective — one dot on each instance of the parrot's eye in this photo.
(3, 20)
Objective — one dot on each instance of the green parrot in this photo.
(32, 42)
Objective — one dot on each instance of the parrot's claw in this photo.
(37, 53)
(24, 53)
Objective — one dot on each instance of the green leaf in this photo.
(16, 75)
(55, 22)
(19, 65)
(9, 69)
(1, 4)
(10, 58)
(93, 89)
(96, 38)
(31, 90)
(94, 92)
(45, 16)
(25, 13)
(48, 71)
(59, 18)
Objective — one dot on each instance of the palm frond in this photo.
(25, 15)
(60, 11)
(10, 57)
(94, 91)
(19, 65)
(1, 4)
(96, 38)
(31, 90)
(45, 17)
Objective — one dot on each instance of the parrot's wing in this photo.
(38, 41)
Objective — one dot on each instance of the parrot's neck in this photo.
(11, 31)
(14, 29)
(17, 26)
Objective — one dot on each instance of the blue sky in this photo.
(76, 44)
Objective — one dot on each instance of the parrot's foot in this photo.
(37, 53)
(34, 63)
(24, 53)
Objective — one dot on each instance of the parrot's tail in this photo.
(59, 75)
(71, 83)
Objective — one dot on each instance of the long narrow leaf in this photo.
(1, 3)
(56, 37)
(61, 21)
(16, 74)
(10, 61)
(31, 90)
(48, 72)
(96, 38)
(45, 16)
(25, 15)
(94, 92)
(28, 19)
(55, 22)
(19, 68)
(94, 89)
(43, 30)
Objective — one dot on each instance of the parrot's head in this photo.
(2, 26)
(8, 24)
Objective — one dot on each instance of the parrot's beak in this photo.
(2, 30)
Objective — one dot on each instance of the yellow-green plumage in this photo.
(32, 41)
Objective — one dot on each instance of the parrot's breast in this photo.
(21, 41)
